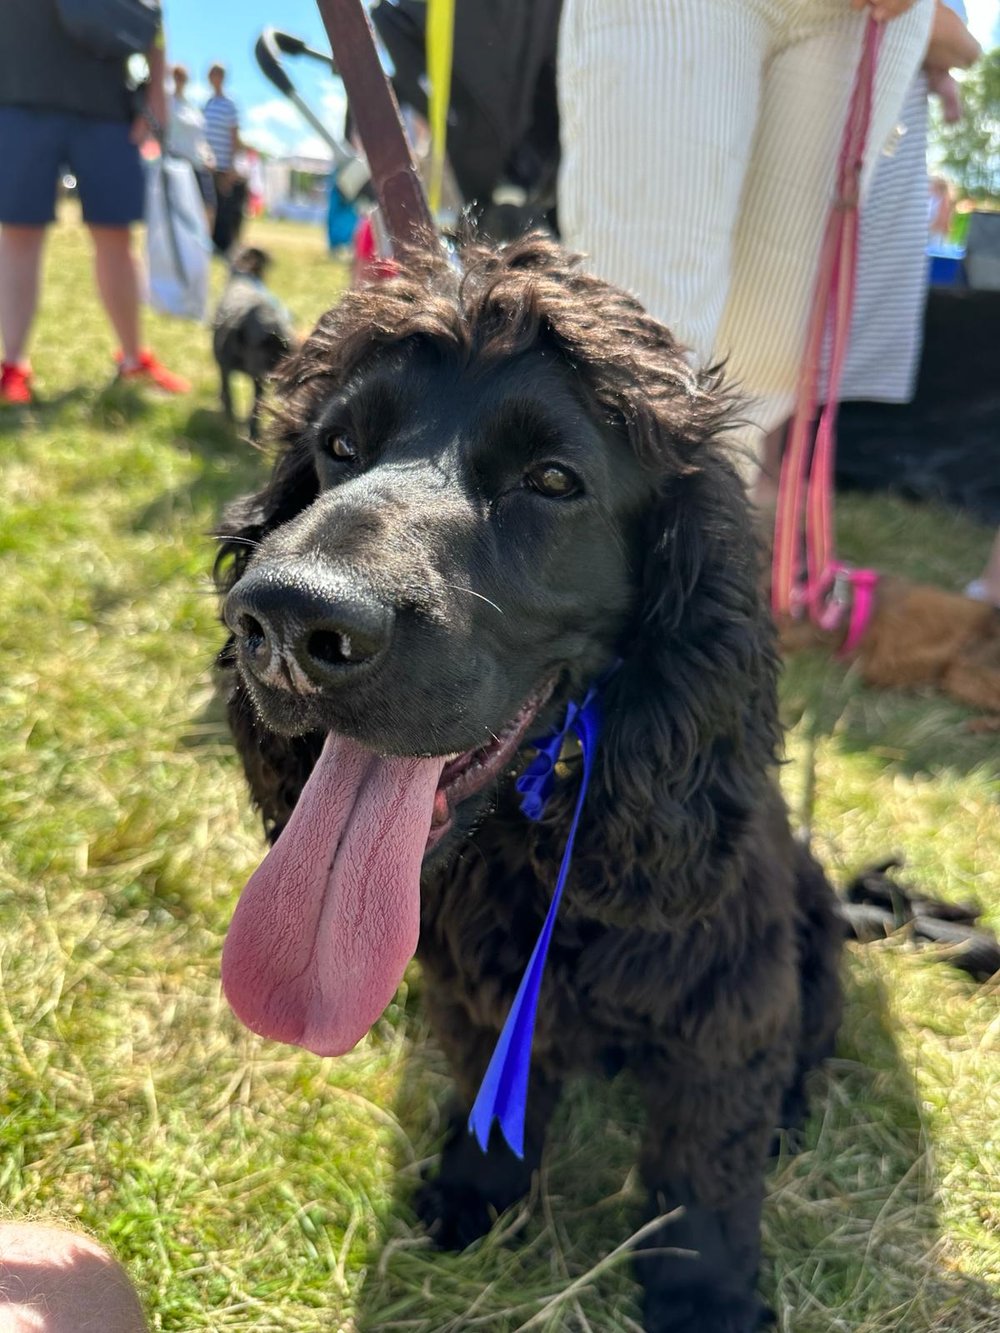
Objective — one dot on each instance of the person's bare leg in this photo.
(20, 268)
(987, 586)
(54, 1281)
(118, 284)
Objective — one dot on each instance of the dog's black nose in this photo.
(295, 630)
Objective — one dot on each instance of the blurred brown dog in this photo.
(920, 636)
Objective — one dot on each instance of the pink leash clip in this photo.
(863, 583)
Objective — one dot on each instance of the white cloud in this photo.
(277, 128)
(273, 127)
(265, 140)
(984, 20)
(311, 145)
(334, 103)
(275, 143)
(276, 111)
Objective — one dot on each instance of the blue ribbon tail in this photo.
(503, 1093)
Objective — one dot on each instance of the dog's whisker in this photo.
(240, 541)
(472, 593)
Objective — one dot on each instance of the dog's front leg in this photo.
(225, 393)
(253, 429)
(472, 1187)
(704, 1157)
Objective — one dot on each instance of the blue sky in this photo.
(199, 32)
(202, 31)
(984, 20)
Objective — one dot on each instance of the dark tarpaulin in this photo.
(503, 122)
(945, 445)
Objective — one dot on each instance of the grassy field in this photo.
(248, 1187)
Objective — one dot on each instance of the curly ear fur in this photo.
(692, 726)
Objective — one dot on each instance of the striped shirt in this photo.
(221, 119)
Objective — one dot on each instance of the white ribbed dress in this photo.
(700, 140)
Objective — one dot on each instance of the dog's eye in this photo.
(341, 446)
(553, 480)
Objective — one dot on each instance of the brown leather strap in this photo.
(375, 112)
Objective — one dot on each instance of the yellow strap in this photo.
(439, 37)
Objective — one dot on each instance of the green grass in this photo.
(249, 1187)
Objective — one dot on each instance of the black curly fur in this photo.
(697, 944)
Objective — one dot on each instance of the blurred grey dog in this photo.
(252, 331)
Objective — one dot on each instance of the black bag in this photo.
(111, 29)
(503, 125)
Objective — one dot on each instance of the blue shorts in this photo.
(37, 147)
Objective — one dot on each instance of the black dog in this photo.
(251, 332)
(490, 489)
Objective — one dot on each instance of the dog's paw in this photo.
(453, 1215)
(697, 1309)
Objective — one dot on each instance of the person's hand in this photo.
(156, 106)
(941, 84)
(884, 10)
(140, 130)
(151, 121)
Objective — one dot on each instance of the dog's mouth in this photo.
(468, 774)
(326, 925)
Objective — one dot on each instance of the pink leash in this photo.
(830, 588)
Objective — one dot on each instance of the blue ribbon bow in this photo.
(503, 1093)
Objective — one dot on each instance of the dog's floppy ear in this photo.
(691, 716)
(690, 726)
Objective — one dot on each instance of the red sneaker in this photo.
(15, 383)
(150, 371)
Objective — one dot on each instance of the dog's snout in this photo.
(294, 631)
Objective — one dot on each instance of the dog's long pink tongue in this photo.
(326, 925)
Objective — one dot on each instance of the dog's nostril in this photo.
(252, 633)
(334, 648)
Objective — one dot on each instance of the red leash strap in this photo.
(376, 112)
(829, 587)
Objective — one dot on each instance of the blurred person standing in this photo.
(222, 127)
(64, 107)
(187, 138)
(940, 208)
(987, 587)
